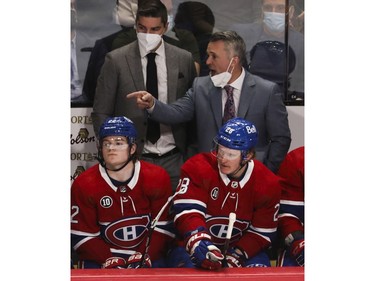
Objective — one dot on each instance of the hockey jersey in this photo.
(211, 196)
(111, 221)
(292, 203)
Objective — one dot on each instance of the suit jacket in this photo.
(117, 40)
(260, 102)
(97, 57)
(121, 74)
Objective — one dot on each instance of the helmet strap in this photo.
(243, 163)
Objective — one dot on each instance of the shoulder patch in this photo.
(106, 201)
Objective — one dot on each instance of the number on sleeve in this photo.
(75, 211)
(277, 207)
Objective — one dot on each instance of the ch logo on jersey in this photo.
(215, 193)
(106, 201)
(128, 232)
(218, 228)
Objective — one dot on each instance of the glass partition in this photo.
(266, 26)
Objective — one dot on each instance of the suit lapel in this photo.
(134, 58)
(247, 95)
(171, 62)
(216, 105)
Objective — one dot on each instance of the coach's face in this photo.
(218, 58)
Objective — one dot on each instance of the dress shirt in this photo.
(237, 86)
(166, 141)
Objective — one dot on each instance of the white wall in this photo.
(83, 142)
(297, 125)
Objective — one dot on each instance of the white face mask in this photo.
(148, 42)
(221, 79)
(274, 21)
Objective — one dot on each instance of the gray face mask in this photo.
(274, 21)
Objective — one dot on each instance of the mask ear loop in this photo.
(229, 65)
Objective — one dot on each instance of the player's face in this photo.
(228, 159)
(115, 151)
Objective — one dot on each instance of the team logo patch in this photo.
(215, 193)
(106, 202)
(128, 232)
(218, 227)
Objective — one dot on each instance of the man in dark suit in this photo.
(124, 71)
(255, 99)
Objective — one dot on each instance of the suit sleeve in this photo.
(94, 65)
(278, 130)
(105, 94)
(182, 110)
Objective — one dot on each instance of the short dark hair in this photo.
(234, 44)
(153, 9)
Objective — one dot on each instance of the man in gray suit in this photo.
(124, 71)
(255, 99)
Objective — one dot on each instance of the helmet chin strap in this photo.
(243, 163)
(102, 163)
(123, 166)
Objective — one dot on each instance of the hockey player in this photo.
(228, 180)
(291, 215)
(113, 203)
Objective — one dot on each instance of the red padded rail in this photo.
(190, 274)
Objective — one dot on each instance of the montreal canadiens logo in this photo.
(128, 232)
(106, 202)
(215, 193)
(218, 227)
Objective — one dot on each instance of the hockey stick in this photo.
(232, 219)
(154, 222)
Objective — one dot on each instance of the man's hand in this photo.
(295, 242)
(144, 99)
(114, 262)
(234, 258)
(297, 250)
(202, 252)
(134, 261)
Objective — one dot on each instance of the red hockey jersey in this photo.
(292, 203)
(108, 221)
(211, 196)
